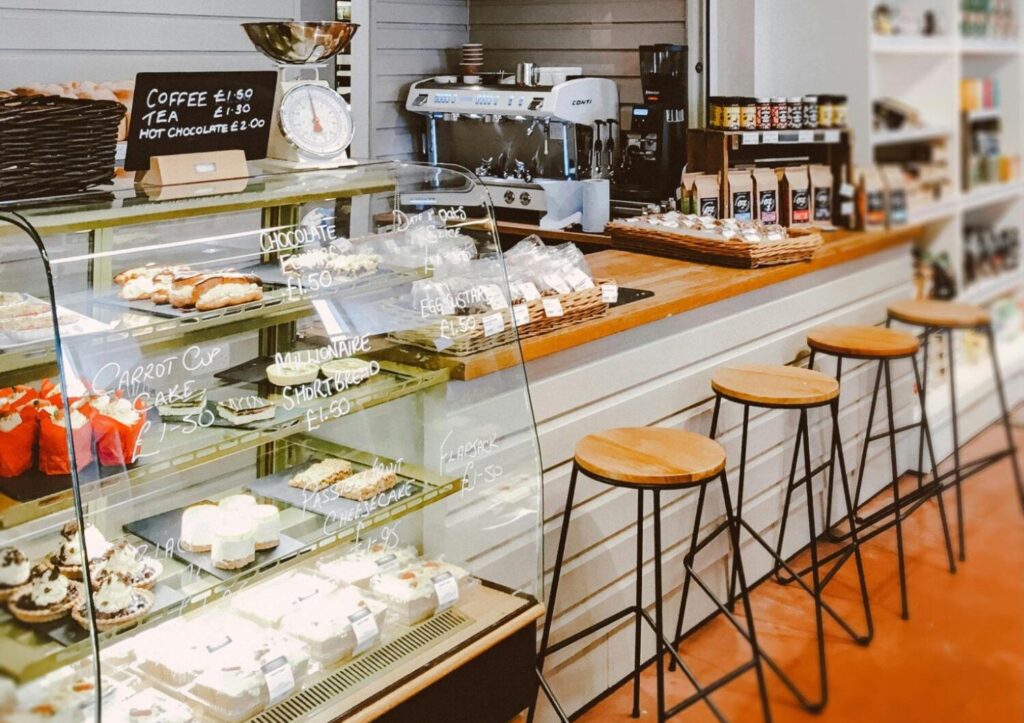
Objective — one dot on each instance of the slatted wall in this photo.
(602, 36)
(53, 40)
(411, 40)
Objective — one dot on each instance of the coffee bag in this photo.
(795, 189)
(766, 191)
(705, 196)
(822, 199)
(741, 195)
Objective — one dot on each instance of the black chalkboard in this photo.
(176, 113)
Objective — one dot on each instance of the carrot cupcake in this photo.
(19, 428)
(117, 424)
(53, 446)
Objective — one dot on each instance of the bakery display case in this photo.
(220, 496)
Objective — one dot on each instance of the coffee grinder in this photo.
(654, 145)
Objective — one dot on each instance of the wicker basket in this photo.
(678, 244)
(465, 335)
(51, 145)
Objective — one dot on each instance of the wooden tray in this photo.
(678, 244)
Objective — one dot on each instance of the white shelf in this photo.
(982, 46)
(911, 45)
(909, 135)
(986, 290)
(990, 194)
(973, 382)
(935, 212)
(984, 114)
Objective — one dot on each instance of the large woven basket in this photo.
(465, 335)
(51, 145)
(799, 246)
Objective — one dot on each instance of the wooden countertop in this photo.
(678, 286)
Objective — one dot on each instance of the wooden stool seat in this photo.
(863, 342)
(939, 314)
(775, 386)
(650, 456)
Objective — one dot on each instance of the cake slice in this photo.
(321, 475)
(366, 484)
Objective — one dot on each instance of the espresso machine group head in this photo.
(654, 145)
(530, 143)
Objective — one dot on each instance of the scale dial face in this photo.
(316, 120)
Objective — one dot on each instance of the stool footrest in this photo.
(898, 430)
(705, 690)
(590, 630)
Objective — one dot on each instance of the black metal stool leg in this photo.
(546, 634)
(836, 439)
(897, 511)
(815, 576)
(785, 514)
(734, 528)
(868, 435)
(659, 612)
(639, 599)
(926, 438)
(1004, 409)
(731, 600)
(955, 423)
(837, 446)
(686, 571)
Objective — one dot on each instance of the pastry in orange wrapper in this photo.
(53, 448)
(19, 428)
(18, 396)
(117, 425)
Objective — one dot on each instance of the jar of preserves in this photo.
(764, 114)
(731, 114)
(795, 106)
(748, 114)
(810, 111)
(825, 117)
(839, 111)
(780, 114)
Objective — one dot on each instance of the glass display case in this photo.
(221, 496)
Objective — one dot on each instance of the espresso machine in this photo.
(532, 137)
(653, 149)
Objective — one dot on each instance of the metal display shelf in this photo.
(26, 654)
(180, 451)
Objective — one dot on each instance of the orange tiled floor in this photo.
(959, 658)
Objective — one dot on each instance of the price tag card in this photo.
(806, 136)
(552, 307)
(832, 136)
(530, 292)
(770, 136)
(197, 112)
(495, 299)
(751, 139)
(609, 293)
(557, 283)
(846, 190)
(579, 280)
(846, 208)
(493, 324)
(447, 590)
(520, 314)
(279, 677)
(364, 627)
(387, 562)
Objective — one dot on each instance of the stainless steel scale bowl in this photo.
(300, 43)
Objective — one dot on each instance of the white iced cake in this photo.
(325, 623)
(197, 525)
(357, 567)
(234, 540)
(269, 602)
(413, 592)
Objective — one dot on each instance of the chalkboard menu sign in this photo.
(195, 112)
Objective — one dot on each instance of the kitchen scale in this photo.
(312, 124)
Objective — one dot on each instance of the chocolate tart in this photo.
(142, 603)
(21, 606)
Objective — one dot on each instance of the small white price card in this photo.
(493, 324)
(280, 681)
(579, 280)
(218, 644)
(364, 626)
(846, 190)
(495, 299)
(387, 562)
(846, 208)
(553, 307)
(447, 590)
(832, 136)
(557, 283)
(770, 136)
(530, 292)
(609, 293)
(805, 136)
(520, 314)
(751, 139)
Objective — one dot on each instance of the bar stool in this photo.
(885, 346)
(647, 459)
(783, 387)
(949, 317)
